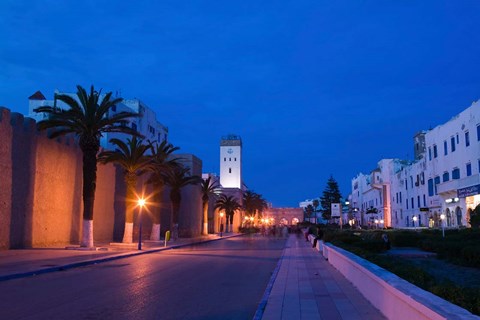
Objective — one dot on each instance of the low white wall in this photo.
(393, 296)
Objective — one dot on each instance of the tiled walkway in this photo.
(308, 287)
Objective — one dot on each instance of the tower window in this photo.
(224, 159)
(229, 170)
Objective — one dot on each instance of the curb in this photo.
(106, 259)
(263, 303)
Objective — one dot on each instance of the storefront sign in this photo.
(469, 191)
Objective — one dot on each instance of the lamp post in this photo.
(141, 203)
(221, 224)
(442, 217)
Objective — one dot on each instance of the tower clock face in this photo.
(230, 151)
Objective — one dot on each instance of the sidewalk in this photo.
(308, 287)
(22, 263)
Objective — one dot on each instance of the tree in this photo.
(475, 217)
(161, 165)
(308, 212)
(330, 195)
(228, 204)
(87, 118)
(132, 157)
(315, 204)
(253, 203)
(176, 179)
(208, 188)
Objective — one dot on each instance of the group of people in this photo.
(280, 231)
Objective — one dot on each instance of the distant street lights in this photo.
(140, 204)
(376, 223)
(415, 218)
(382, 222)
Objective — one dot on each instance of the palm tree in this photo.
(132, 157)
(250, 199)
(160, 166)
(176, 179)
(208, 188)
(228, 204)
(308, 212)
(87, 118)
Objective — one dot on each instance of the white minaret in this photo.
(231, 162)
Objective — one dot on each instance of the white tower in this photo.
(231, 162)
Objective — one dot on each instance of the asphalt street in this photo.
(218, 280)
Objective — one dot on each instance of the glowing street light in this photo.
(221, 224)
(442, 217)
(376, 223)
(140, 203)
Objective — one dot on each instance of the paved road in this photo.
(219, 280)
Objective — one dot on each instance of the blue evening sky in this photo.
(313, 87)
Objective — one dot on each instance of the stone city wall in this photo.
(41, 190)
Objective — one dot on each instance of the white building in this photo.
(443, 179)
(147, 124)
(231, 162)
(453, 165)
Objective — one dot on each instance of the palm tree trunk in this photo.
(89, 183)
(155, 235)
(131, 182)
(205, 218)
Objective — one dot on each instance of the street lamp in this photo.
(140, 204)
(442, 217)
(221, 224)
(414, 222)
(382, 222)
(376, 223)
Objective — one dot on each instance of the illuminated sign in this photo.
(469, 191)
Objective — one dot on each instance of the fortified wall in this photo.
(41, 190)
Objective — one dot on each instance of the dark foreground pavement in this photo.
(218, 280)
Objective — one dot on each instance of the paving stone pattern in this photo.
(308, 287)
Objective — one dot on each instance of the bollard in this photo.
(167, 237)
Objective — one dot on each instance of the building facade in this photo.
(442, 181)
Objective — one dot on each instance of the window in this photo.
(224, 159)
(406, 203)
(429, 154)
(422, 178)
(412, 204)
(445, 148)
(235, 159)
(430, 187)
(400, 194)
(229, 170)
(229, 159)
(406, 184)
(456, 173)
(467, 139)
(445, 177)
(411, 182)
(424, 200)
(435, 153)
(478, 132)
(452, 144)
(418, 201)
(469, 169)
(478, 165)
(396, 197)
(437, 181)
(458, 140)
